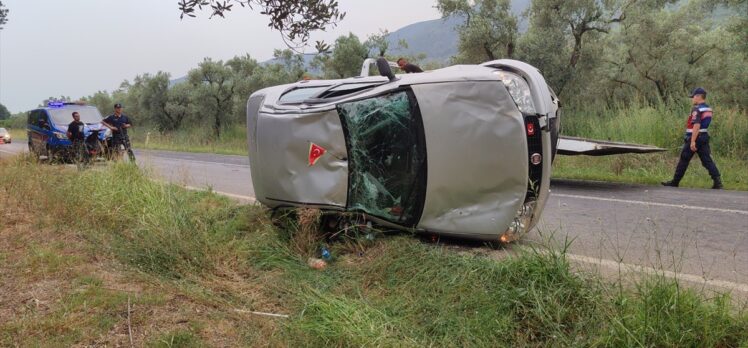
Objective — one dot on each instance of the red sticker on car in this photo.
(315, 152)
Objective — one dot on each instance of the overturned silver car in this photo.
(463, 151)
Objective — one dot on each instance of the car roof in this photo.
(65, 106)
(380, 84)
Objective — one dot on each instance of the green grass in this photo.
(214, 257)
(233, 140)
(649, 169)
(661, 126)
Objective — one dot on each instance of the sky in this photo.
(78, 47)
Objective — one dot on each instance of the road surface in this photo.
(697, 235)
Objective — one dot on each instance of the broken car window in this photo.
(387, 156)
(298, 95)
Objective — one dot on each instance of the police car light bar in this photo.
(59, 104)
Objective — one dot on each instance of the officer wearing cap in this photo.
(697, 141)
(119, 124)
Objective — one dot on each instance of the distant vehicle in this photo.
(462, 151)
(47, 127)
(5, 137)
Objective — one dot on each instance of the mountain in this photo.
(438, 39)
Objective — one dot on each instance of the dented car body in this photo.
(462, 151)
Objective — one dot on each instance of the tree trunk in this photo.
(489, 53)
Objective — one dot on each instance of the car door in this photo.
(37, 138)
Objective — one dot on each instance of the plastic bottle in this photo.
(326, 254)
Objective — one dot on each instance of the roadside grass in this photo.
(659, 125)
(233, 140)
(194, 265)
(649, 169)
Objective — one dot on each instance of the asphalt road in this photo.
(697, 235)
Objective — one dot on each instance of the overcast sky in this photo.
(77, 47)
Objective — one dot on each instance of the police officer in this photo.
(697, 141)
(119, 123)
(75, 134)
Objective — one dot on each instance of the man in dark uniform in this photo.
(119, 124)
(697, 141)
(75, 134)
(407, 67)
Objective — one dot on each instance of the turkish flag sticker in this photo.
(315, 152)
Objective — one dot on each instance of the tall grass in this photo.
(660, 125)
(396, 292)
(157, 228)
(233, 140)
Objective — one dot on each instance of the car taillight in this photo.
(530, 129)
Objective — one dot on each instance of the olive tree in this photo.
(294, 19)
(348, 54)
(214, 87)
(3, 15)
(489, 32)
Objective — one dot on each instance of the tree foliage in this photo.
(345, 60)
(489, 32)
(165, 107)
(4, 113)
(294, 19)
(214, 86)
(3, 15)
(661, 53)
(614, 51)
(378, 44)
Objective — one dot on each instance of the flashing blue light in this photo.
(56, 104)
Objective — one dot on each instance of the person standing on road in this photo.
(119, 123)
(697, 141)
(75, 134)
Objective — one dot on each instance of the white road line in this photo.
(680, 206)
(649, 270)
(9, 152)
(196, 161)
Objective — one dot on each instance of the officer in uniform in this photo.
(697, 141)
(119, 124)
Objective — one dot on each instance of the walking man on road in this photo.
(119, 124)
(697, 141)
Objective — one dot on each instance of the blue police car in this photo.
(47, 128)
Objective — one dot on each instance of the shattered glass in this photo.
(386, 159)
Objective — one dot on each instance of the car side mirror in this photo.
(384, 68)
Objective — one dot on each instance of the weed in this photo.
(199, 257)
(176, 339)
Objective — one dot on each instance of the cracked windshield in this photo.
(386, 157)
